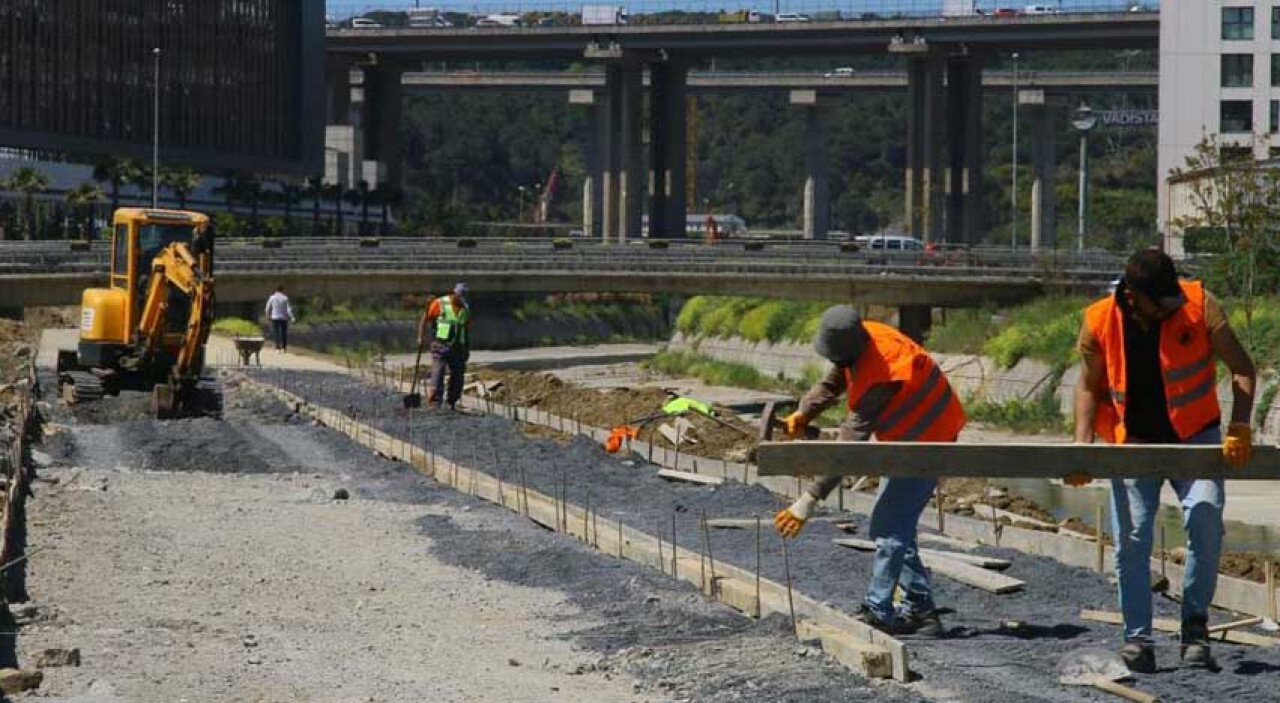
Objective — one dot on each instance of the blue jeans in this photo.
(1134, 503)
(454, 361)
(893, 527)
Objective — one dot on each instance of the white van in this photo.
(881, 242)
(792, 17)
(364, 23)
(1040, 10)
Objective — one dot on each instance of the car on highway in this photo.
(1040, 10)
(792, 17)
(888, 242)
(840, 72)
(365, 23)
(1006, 13)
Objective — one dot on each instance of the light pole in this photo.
(1084, 121)
(155, 135)
(1013, 232)
(520, 215)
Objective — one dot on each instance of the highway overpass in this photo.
(944, 82)
(739, 81)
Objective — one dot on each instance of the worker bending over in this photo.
(1148, 355)
(895, 393)
(448, 319)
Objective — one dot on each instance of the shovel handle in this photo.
(1124, 691)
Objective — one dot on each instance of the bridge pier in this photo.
(925, 197)
(817, 180)
(1044, 213)
(630, 165)
(668, 148)
(593, 147)
(965, 149)
(384, 101)
(344, 143)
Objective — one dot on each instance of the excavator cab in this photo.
(147, 328)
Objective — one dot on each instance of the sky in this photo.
(342, 9)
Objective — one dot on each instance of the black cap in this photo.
(1152, 273)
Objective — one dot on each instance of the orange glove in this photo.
(1237, 448)
(795, 424)
(789, 521)
(1078, 480)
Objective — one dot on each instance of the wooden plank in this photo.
(938, 459)
(972, 559)
(952, 569)
(947, 541)
(1228, 626)
(873, 661)
(673, 475)
(1170, 625)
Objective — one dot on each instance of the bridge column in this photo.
(964, 175)
(925, 197)
(915, 321)
(609, 124)
(668, 148)
(592, 149)
(817, 181)
(630, 164)
(383, 101)
(1044, 213)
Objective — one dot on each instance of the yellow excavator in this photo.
(147, 329)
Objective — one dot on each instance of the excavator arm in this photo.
(176, 267)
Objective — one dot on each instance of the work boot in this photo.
(1140, 657)
(867, 616)
(1195, 644)
(923, 623)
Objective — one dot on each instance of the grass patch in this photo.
(1262, 408)
(720, 373)
(1045, 330)
(963, 332)
(752, 319)
(237, 327)
(1038, 415)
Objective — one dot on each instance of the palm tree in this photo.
(29, 182)
(315, 191)
(182, 182)
(231, 189)
(82, 200)
(251, 189)
(117, 172)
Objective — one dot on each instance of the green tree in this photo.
(29, 182)
(116, 172)
(82, 199)
(182, 182)
(1236, 201)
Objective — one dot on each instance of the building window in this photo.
(1236, 117)
(1237, 70)
(1275, 70)
(1275, 22)
(1275, 116)
(1237, 23)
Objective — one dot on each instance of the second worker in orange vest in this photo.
(896, 393)
(1148, 377)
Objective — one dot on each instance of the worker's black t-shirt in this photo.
(1146, 412)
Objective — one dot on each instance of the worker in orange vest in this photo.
(1148, 378)
(895, 393)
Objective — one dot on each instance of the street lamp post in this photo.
(155, 135)
(520, 215)
(1013, 232)
(1084, 121)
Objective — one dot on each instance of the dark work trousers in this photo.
(280, 328)
(451, 359)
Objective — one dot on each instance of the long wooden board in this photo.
(957, 570)
(937, 459)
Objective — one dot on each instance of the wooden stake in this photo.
(1097, 537)
(1164, 554)
(662, 562)
(942, 520)
(758, 613)
(620, 540)
(675, 547)
(1271, 591)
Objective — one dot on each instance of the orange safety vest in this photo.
(924, 409)
(1186, 362)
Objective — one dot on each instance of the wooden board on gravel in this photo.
(956, 570)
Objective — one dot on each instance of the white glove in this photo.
(804, 506)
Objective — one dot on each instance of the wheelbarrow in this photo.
(250, 348)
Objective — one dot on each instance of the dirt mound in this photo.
(610, 408)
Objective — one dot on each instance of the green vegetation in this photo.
(1262, 407)
(752, 319)
(716, 373)
(1037, 415)
(963, 331)
(237, 327)
(1044, 330)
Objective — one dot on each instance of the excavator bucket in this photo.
(171, 401)
(164, 401)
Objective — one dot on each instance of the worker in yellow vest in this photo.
(895, 393)
(448, 320)
(1149, 378)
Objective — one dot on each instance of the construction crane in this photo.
(148, 328)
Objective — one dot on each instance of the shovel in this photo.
(1100, 669)
(413, 400)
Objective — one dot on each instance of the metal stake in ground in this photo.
(711, 558)
(786, 565)
(1097, 533)
(942, 514)
(758, 613)
(675, 546)
(662, 562)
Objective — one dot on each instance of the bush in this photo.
(1045, 330)
(689, 321)
(370, 242)
(659, 244)
(1038, 415)
(964, 332)
(466, 243)
(237, 327)
(561, 243)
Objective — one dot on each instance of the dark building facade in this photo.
(241, 81)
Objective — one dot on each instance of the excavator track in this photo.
(81, 387)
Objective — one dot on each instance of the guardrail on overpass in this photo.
(246, 274)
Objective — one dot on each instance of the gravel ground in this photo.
(979, 661)
(199, 560)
